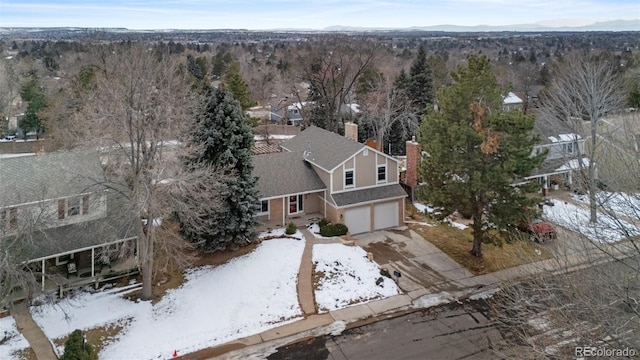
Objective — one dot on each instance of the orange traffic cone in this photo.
(175, 353)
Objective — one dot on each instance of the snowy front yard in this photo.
(247, 295)
(576, 218)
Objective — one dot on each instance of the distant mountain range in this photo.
(615, 25)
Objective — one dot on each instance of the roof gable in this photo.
(323, 148)
(284, 173)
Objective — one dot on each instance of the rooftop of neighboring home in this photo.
(552, 131)
(34, 178)
(511, 98)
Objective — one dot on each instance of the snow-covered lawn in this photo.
(576, 218)
(348, 277)
(618, 203)
(245, 296)
(10, 339)
(215, 304)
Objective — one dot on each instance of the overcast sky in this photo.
(308, 14)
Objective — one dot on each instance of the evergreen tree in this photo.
(476, 152)
(421, 87)
(33, 94)
(226, 141)
(77, 349)
(238, 87)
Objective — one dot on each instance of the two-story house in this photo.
(59, 219)
(565, 158)
(334, 176)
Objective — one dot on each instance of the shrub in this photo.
(323, 222)
(333, 230)
(76, 349)
(291, 229)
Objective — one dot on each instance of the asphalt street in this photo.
(458, 331)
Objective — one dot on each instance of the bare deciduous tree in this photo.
(138, 114)
(332, 69)
(584, 90)
(383, 107)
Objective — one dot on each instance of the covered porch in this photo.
(300, 209)
(61, 272)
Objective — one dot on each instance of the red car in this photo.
(539, 230)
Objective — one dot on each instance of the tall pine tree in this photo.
(226, 141)
(421, 85)
(476, 152)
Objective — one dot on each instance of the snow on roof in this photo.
(569, 137)
(511, 98)
(573, 164)
(297, 105)
(354, 107)
(564, 138)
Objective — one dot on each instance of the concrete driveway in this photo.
(422, 265)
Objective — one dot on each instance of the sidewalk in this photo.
(416, 297)
(478, 286)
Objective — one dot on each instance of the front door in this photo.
(295, 204)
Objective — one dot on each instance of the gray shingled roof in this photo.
(323, 148)
(369, 195)
(119, 223)
(48, 176)
(284, 173)
(545, 128)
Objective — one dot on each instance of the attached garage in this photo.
(385, 215)
(358, 219)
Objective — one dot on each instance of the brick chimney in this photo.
(413, 160)
(351, 131)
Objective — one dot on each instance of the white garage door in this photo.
(358, 220)
(385, 215)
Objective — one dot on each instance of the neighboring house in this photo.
(511, 102)
(320, 172)
(59, 219)
(292, 114)
(565, 156)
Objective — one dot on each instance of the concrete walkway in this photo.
(306, 297)
(38, 342)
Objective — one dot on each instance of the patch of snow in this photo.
(616, 203)
(348, 277)
(156, 221)
(431, 300)
(427, 209)
(576, 218)
(337, 327)
(484, 294)
(11, 340)
(456, 225)
(9, 156)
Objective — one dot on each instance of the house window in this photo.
(13, 218)
(568, 148)
(295, 204)
(262, 207)
(85, 205)
(63, 259)
(73, 206)
(348, 178)
(382, 173)
(3, 219)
